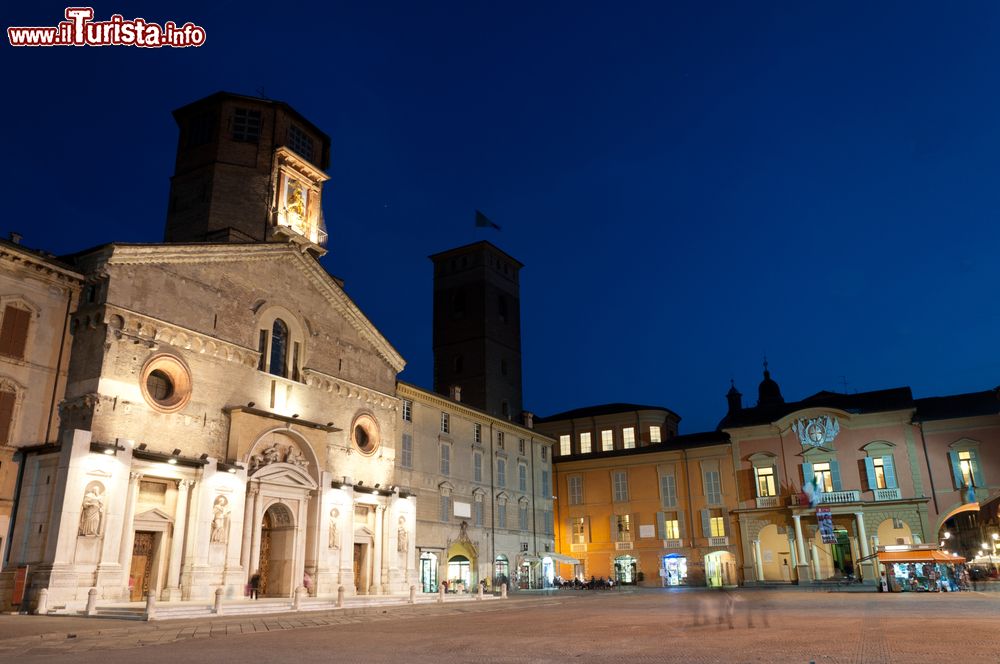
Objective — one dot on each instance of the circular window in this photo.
(365, 434)
(166, 383)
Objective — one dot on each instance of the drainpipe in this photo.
(493, 515)
(930, 474)
(687, 480)
(534, 530)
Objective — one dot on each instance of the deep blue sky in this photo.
(689, 186)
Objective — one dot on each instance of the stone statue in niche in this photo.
(220, 521)
(92, 510)
(404, 537)
(334, 540)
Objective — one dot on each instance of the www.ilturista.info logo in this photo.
(80, 29)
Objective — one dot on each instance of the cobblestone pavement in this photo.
(637, 626)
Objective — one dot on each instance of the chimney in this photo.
(529, 419)
(15, 237)
(456, 392)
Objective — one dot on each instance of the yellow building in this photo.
(642, 512)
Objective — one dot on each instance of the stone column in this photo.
(128, 530)
(171, 590)
(758, 561)
(816, 565)
(255, 531)
(248, 514)
(867, 567)
(376, 567)
(387, 547)
(801, 567)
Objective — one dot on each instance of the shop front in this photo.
(921, 568)
(673, 570)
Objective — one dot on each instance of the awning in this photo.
(924, 556)
(562, 558)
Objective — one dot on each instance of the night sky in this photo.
(689, 186)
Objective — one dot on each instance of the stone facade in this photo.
(484, 493)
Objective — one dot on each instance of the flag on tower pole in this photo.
(482, 221)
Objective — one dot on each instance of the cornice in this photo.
(39, 264)
(345, 388)
(142, 328)
(444, 403)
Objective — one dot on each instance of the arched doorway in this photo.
(428, 572)
(459, 571)
(501, 570)
(720, 569)
(625, 570)
(277, 551)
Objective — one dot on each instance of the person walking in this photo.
(254, 585)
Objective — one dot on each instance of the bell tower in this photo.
(247, 170)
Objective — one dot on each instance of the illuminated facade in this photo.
(640, 504)
(484, 493)
(890, 469)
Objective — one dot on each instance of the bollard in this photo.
(413, 594)
(91, 602)
(479, 595)
(503, 591)
(440, 593)
(218, 601)
(150, 607)
(297, 598)
(43, 602)
(340, 597)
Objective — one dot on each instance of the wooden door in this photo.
(359, 552)
(142, 564)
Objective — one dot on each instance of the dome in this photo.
(768, 391)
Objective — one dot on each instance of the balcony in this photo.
(888, 494)
(673, 543)
(718, 541)
(623, 546)
(767, 501)
(828, 498)
(578, 548)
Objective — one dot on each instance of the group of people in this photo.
(591, 584)
(928, 577)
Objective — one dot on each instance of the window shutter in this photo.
(614, 527)
(956, 470)
(680, 525)
(890, 472)
(661, 526)
(870, 474)
(725, 523)
(777, 480)
(808, 476)
(706, 524)
(14, 332)
(6, 416)
(977, 473)
(835, 475)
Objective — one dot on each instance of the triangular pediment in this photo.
(321, 281)
(154, 516)
(284, 474)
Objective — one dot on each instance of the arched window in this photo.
(279, 348)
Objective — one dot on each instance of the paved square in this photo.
(578, 626)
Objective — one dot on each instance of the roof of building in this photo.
(602, 409)
(467, 248)
(970, 404)
(682, 442)
(41, 255)
(896, 398)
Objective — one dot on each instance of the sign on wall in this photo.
(463, 509)
(825, 519)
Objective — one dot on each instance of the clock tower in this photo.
(247, 170)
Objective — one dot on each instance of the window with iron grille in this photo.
(300, 141)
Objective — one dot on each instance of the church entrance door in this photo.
(277, 552)
(142, 565)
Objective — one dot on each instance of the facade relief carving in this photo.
(92, 510)
(816, 431)
(276, 452)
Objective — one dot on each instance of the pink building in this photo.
(890, 469)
